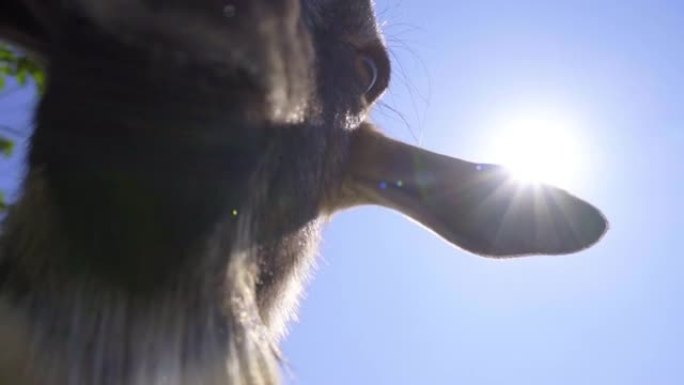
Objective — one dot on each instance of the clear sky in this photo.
(394, 304)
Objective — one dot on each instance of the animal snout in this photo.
(260, 44)
(253, 58)
(278, 43)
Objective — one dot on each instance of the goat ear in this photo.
(476, 207)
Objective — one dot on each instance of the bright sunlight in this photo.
(538, 148)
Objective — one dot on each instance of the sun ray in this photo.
(538, 148)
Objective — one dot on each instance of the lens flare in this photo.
(538, 148)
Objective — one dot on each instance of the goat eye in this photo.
(369, 71)
(373, 70)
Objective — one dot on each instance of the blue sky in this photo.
(393, 304)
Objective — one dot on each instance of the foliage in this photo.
(22, 68)
(6, 147)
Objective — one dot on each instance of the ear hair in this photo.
(474, 206)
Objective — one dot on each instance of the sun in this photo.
(538, 148)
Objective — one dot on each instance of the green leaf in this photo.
(6, 147)
(3, 203)
(6, 53)
(39, 78)
(20, 67)
(22, 76)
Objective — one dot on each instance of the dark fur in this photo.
(124, 261)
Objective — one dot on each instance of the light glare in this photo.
(538, 148)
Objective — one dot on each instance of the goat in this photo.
(185, 156)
